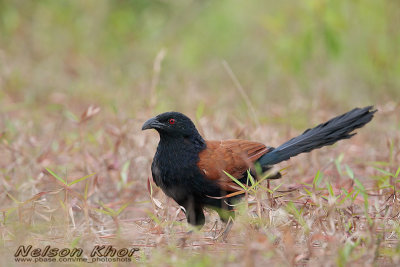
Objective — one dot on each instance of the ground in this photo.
(78, 79)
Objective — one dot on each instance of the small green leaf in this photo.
(397, 172)
(317, 178)
(110, 210)
(308, 192)
(63, 205)
(330, 189)
(122, 208)
(236, 181)
(347, 196)
(124, 171)
(263, 178)
(80, 179)
(102, 211)
(338, 162)
(379, 163)
(75, 242)
(250, 177)
(384, 172)
(71, 116)
(56, 176)
(349, 172)
(14, 199)
(277, 187)
(291, 208)
(8, 213)
(359, 185)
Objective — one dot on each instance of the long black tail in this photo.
(324, 134)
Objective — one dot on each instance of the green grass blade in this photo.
(14, 199)
(330, 189)
(102, 211)
(264, 178)
(338, 162)
(80, 179)
(397, 172)
(317, 178)
(349, 172)
(123, 207)
(236, 181)
(277, 187)
(56, 176)
(250, 177)
(125, 171)
(384, 172)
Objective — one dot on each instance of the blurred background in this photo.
(130, 55)
(78, 78)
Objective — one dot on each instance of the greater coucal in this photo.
(191, 170)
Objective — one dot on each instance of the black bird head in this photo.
(173, 124)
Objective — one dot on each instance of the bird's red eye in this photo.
(171, 121)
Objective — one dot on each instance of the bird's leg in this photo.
(225, 232)
(215, 226)
(226, 214)
(188, 233)
(227, 229)
(195, 217)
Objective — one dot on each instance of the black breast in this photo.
(175, 170)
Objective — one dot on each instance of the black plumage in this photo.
(328, 133)
(190, 169)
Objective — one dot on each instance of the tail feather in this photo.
(325, 134)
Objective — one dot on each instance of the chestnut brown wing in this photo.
(233, 156)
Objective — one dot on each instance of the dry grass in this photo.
(78, 79)
(335, 206)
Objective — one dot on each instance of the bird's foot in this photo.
(214, 228)
(224, 234)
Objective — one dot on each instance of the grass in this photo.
(79, 78)
(88, 184)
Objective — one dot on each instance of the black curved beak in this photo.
(152, 123)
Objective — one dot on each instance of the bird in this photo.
(197, 173)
